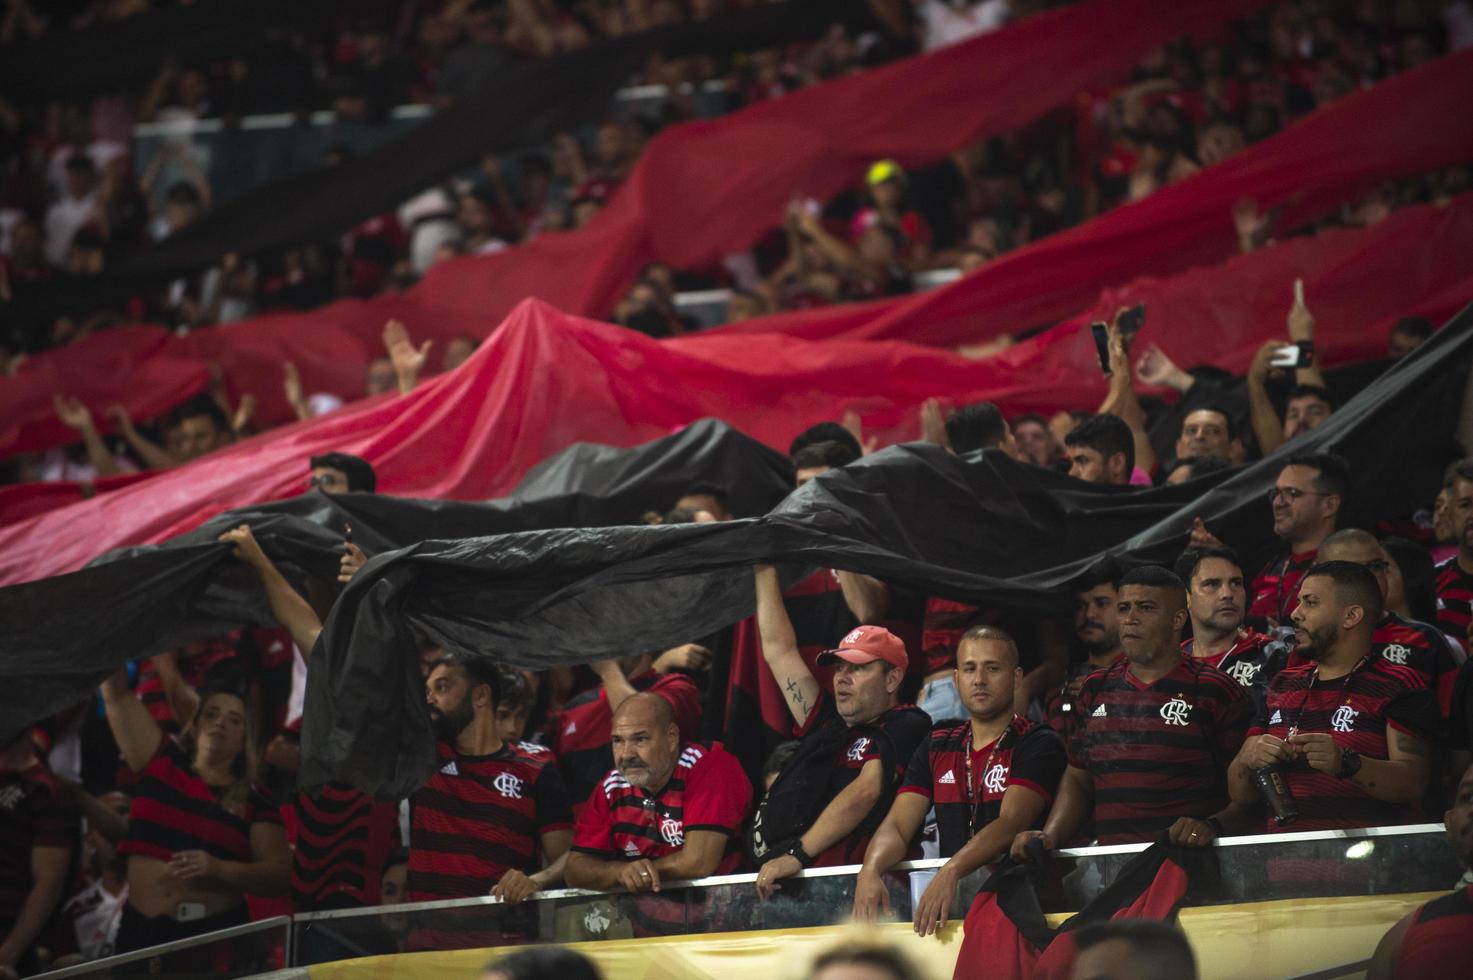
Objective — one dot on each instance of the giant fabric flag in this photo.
(546, 380)
(737, 173)
(983, 529)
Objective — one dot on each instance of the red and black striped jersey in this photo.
(942, 626)
(894, 735)
(1420, 646)
(344, 836)
(35, 811)
(174, 809)
(1454, 598)
(1438, 944)
(706, 791)
(1275, 590)
(1158, 751)
(478, 816)
(583, 735)
(1244, 661)
(1028, 754)
(1355, 710)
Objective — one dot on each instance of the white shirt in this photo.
(96, 915)
(63, 220)
(953, 22)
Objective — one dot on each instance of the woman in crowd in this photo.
(200, 833)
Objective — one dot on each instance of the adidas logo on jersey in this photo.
(572, 727)
(947, 780)
(1278, 718)
(1099, 712)
(449, 768)
(631, 849)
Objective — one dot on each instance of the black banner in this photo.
(60, 636)
(985, 529)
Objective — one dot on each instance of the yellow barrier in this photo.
(1252, 941)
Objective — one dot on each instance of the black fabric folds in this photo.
(983, 529)
(60, 636)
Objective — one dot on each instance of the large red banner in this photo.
(545, 380)
(699, 191)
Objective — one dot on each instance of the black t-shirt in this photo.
(1028, 754)
(892, 738)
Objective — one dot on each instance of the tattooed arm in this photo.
(780, 647)
(1401, 778)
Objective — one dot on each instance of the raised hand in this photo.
(407, 361)
(72, 412)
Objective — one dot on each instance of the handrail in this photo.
(1358, 833)
(173, 946)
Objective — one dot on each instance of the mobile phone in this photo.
(1132, 320)
(1102, 343)
(1301, 354)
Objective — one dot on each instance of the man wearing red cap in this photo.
(866, 736)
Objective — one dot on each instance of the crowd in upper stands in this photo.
(73, 197)
(1327, 688)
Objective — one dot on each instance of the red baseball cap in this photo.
(866, 644)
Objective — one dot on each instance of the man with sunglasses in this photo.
(1306, 502)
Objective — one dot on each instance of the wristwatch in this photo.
(1349, 764)
(796, 850)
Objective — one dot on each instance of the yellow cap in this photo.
(884, 170)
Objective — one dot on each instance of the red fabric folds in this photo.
(700, 190)
(1397, 128)
(546, 380)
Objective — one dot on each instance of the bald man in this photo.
(1155, 733)
(668, 810)
(1403, 642)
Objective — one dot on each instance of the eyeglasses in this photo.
(1292, 494)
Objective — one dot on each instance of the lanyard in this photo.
(975, 792)
(1314, 676)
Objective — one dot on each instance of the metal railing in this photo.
(189, 951)
(1368, 861)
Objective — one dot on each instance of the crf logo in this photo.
(1175, 711)
(1395, 653)
(856, 751)
(1343, 720)
(996, 778)
(10, 796)
(508, 785)
(1243, 672)
(854, 636)
(673, 832)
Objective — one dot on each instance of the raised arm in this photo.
(134, 729)
(780, 647)
(1301, 328)
(290, 609)
(1268, 428)
(867, 597)
(616, 686)
(76, 415)
(154, 456)
(183, 701)
(1122, 400)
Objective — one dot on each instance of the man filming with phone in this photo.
(1309, 401)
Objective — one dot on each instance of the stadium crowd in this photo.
(1328, 688)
